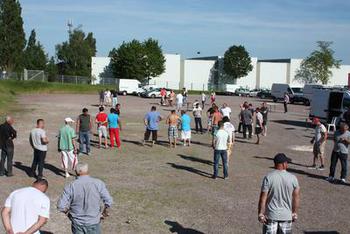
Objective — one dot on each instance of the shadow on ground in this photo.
(175, 227)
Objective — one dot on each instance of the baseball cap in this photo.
(69, 120)
(281, 158)
(315, 120)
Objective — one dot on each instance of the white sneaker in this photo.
(330, 179)
(343, 181)
(67, 175)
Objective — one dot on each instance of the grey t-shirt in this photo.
(279, 185)
(35, 137)
(247, 116)
(340, 146)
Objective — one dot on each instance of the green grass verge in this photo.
(10, 88)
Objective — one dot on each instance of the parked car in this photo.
(298, 96)
(254, 92)
(129, 86)
(154, 93)
(265, 93)
(230, 89)
(242, 92)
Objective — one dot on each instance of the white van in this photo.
(328, 103)
(230, 89)
(129, 86)
(310, 88)
(295, 93)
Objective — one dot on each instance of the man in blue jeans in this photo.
(84, 125)
(221, 140)
(340, 152)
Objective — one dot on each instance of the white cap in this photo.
(69, 120)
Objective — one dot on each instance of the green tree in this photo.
(316, 67)
(237, 62)
(34, 54)
(51, 70)
(12, 37)
(136, 60)
(75, 54)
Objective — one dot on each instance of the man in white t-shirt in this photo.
(221, 140)
(230, 129)
(319, 143)
(225, 111)
(179, 101)
(27, 209)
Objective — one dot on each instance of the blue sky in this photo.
(267, 28)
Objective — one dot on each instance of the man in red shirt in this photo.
(101, 121)
(162, 95)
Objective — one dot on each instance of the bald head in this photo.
(9, 120)
(82, 169)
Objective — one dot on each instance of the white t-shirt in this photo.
(226, 111)
(230, 129)
(259, 119)
(26, 205)
(36, 135)
(179, 98)
(221, 140)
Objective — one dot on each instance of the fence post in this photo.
(62, 79)
(76, 80)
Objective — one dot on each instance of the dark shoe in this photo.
(9, 175)
(213, 177)
(321, 168)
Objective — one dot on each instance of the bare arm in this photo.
(296, 200)
(78, 125)
(36, 226)
(120, 124)
(262, 206)
(6, 220)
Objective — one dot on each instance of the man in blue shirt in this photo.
(186, 128)
(151, 121)
(114, 125)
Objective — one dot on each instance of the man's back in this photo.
(83, 199)
(152, 118)
(279, 184)
(186, 122)
(67, 133)
(247, 116)
(27, 204)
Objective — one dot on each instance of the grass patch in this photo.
(10, 88)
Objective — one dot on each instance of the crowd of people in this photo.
(27, 210)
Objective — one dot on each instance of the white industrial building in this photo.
(207, 72)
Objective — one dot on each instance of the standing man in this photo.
(197, 113)
(172, 121)
(204, 99)
(286, 102)
(114, 126)
(279, 198)
(38, 140)
(67, 146)
(179, 102)
(7, 134)
(230, 129)
(27, 209)
(151, 122)
(319, 142)
(102, 123)
(81, 201)
(264, 110)
(340, 152)
(185, 128)
(162, 95)
(226, 111)
(259, 124)
(247, 120)
(185, 95)
(221, 139)
(84, 125)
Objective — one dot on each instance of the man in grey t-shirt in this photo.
(38, 140)
(279, 198)
(340, 152)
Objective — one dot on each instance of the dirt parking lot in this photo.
(158, 190)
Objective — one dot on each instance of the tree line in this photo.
(131, 60)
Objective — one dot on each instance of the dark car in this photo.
(298, 97)
(265, 93)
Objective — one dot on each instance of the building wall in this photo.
(250, 81)
(197, 74)
(272, 73)
(172, 76)
(340, 76)
(294, 66)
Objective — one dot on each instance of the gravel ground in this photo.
(159, 190)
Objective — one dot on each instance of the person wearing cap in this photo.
(319, 141)
(67, 146)
(279, 198)
(340, 152)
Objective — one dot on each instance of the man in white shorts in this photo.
(179, 102)
(27, 209)
(186, 128)
(101, 121)
(67, 146)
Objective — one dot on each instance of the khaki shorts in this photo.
(186, 135)
(319, 148)
(102, 131)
